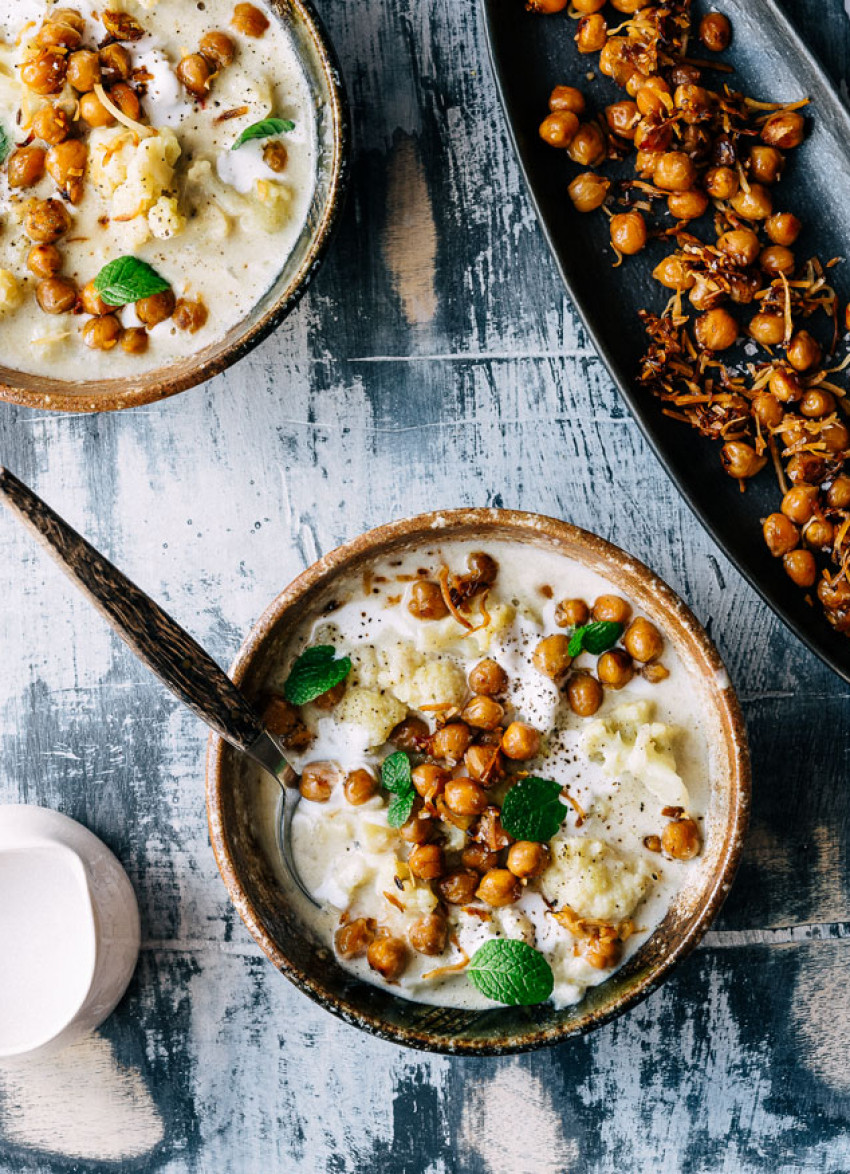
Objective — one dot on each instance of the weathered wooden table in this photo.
(435, 362)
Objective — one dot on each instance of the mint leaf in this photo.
(594, 638)
(5, 145)
(263, 130)
(533, 810)
(395, 773)
(511, 972)
(127, 280)
(400, 809)
(314, 672)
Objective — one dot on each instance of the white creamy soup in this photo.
(119, 124)
(549, 807)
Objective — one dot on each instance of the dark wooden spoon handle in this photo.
(169, 652)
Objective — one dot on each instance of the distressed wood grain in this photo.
(435, 362)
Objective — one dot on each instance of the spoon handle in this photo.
(169, 652)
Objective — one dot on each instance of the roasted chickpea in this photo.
(360, 786)
(803, 351)
(615, 58)
(572, 613)
(612, 609)
(429, 779)
(674, 274)
(284, 721)
(116, 64)
(587, 147)
(628, 232)
(681, 839)
(643, 641)
(426, 862)
(551, 657)
(653, 96)
(615, 668)
(780, 534)
(765, 164)
(51, 125)
(741, 244)
(799, 503)
(567, 98)
(805, 468)
(547, 7)
(817, 402)
(645, 161)
(331, 697)
(768, 410)
(44, 260)
(819, 534)
(756, 204)
(785, 385)
(674, 172)
(84, 70)
(157, 308)
(63, 30)
(592, 33)
(429, 935)
(499, 887)
(489, 830)
(465, 797)
(784, 129)
(93, 111)
(716, 330)
(26, 167)
(783, 228)
(768, 329)
(194, 72)
(387, 956)
(275, 157)
(354, 939)
(741, 460)
(66, 165)
(834, 595)
(218, 49)
(102, 334)
(527, 859)
(483, 713)
(692, 102)
(558, 129)
(622, 118)
(488, 678)
(585, 7)
(484, 763)
(588, 191)
(629, 6)
(715, 32)
(836, 437)
(584, 694)
(426, 601)
(601, 953)
(127, 101)
(777, 259)
(56, 295)
(419, 828)
(93, 303)
(45, 74)
(653, 137)
(121, 26)
(135, 341)
(190, 315)
(317, 781)
(249, 21)
(458, 888)
(687, 205)
(479, 858)
(520, 741)
(721, 183)
(838, 494)
(451, 742)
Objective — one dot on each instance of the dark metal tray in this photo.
(530, 54)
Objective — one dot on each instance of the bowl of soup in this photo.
(523, 773)
(171, 173)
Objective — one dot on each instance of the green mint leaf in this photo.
(576, 643)
(533, 810)
(594, 638)
(127, 280)
(314, 672)
(395, 773)
(5, 145)
(263, 130)
(511, 972)
(400, 809)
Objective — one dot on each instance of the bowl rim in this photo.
(446, 523)
(160, 385)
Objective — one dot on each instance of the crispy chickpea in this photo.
(783, 228)
(551, 657)
(429, 779)
(419, 828)
(692, 102)
(780, 534)
(465, 797)
(426, 601)
(483, 713)
(558, 129)
(643, 641)
(479, 858)
(93, 303)
(426, 862)
(360, 786)
(587, 147)
(799, 503)
(741, 460)
(275, 157)
(284, 721)
(805, 468)
(803, 351)
(785, 385)
(756, 204)
(484, 763)
(84, 70)
(629, 6)
(135, 341)
(488, 678)
(819, 534)
(585, 7)
(249, 21)
(628, 232)
(45, 74)
(567, 98)
(116, 64)
(44, 260)
(63, 30)
(784, 129)
(387, 956)
(601, 953)
(489, 830)
(499, 887)
(836, 437)
(93, 111)
(102, 334)
(645, 161)
(121, 26)
(429, 935)
(768, 329)
(317, 781)
(614, 59)
(612, 609)
(51, 125)
(26, 167)
(674, 274)
(793, 430)
(157, 308)
(354, 939)
(592, 33)
(622, 118)
(721, 183)
(777, 259)
(218, 49)
(584, 694)
(767, 410)
(681, 839)
(194, 72)
(817, 402)
(56, 295)
(687, 205)
(838, 494)
(588, 191)
(651, 94)
(765, 164)
(674, 172)
(190, 315)
(547, 7)
(572, 613)
(66, 166)
(520, 741)
(127, 100)
(834, 595)
(451, 742)
(527, 859)
(615, 668)
(741, 244)
(715, 32)
(716, 330)
(458, 888)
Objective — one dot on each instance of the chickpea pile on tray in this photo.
(703, 151)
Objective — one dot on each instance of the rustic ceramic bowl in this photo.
(251, 875)
(324, 79)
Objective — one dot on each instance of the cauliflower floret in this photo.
(165, 218)
(628, 741)
(501, 617)
(132, 175)
(652, 761)
(590, 877)
(274, 202)
(364, 666)
(377, 714)
(11, 292)
(516, 925)
(438, 682)
(421, 900)
(397, 661)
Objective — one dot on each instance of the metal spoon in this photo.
(169, 652)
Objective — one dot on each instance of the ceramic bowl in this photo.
(249, 869)
(320, 66)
